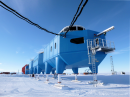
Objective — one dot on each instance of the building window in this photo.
(77, 40)
(71, 28)
(80, 28)
(51, 48)
(55, 45)
(66, 29)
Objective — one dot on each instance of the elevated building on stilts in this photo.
(79, 48)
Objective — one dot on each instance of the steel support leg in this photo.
(59, 78)
(38, 76)
(47, 79)
(76, 77)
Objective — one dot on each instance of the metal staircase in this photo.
(94, 45)
(91, 55)
(93, 67)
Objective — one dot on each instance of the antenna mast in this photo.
(112, 65)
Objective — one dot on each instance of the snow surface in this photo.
(24, 86)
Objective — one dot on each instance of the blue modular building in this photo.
(27, 69)
(71, 52)
(31, 67)
(38, 65)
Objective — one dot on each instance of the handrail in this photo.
(92, 43)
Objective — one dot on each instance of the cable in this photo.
(11, 12)
(77, 15)
(73, 21)
(80, 11)
(74, 17)
(24, 18)
(32, 23)
(77, 11)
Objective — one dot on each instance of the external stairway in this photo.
(96, 45)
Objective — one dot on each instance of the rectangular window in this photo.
(55, 45)
(73, 28)
(80, 28)
(77, 40)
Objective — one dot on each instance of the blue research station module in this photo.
(70, 52)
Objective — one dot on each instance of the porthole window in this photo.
(77, 40)
(55, 45)
(51, 48)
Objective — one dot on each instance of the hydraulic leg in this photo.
(75, 76)
(47, 78)
(38, 76)
(59, 78)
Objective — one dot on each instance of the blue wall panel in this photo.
(35, 61)
(27, 69)
(55, 49)
(67, 46)
(51, 49)
(45, 54)
(48, 54)
(48, 50)
(38, 64)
